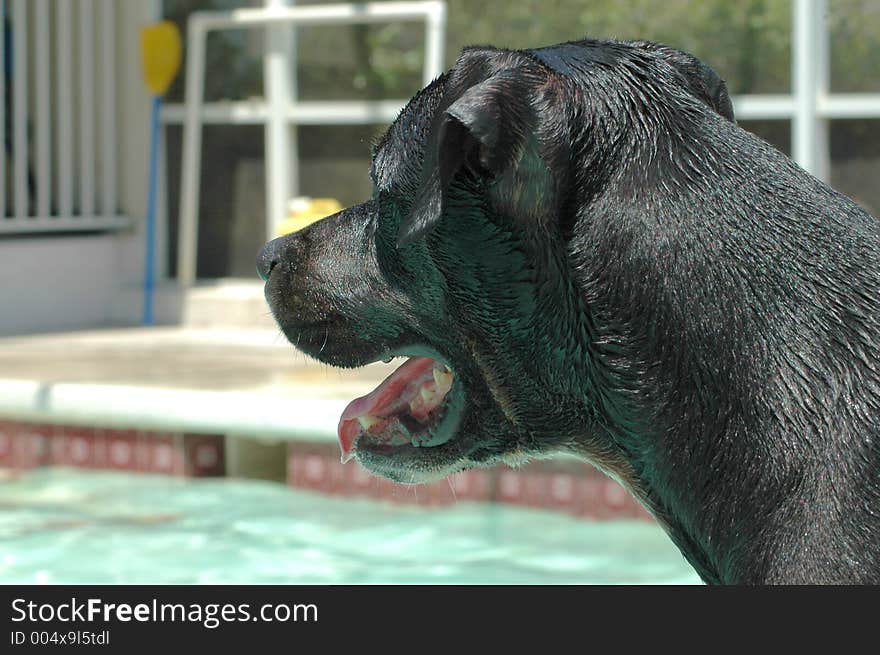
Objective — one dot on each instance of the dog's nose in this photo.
(268, 259)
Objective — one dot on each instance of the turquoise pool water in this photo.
(71, 526)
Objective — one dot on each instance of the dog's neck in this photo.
(620, 469)
(740, 511)
(749, 522)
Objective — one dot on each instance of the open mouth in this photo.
(417, 406)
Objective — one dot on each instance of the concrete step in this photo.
(231, 303)
(227, 302)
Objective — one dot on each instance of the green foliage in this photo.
(747, 42)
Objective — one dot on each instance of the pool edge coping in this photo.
(166, 408)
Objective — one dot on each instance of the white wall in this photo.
(56, 283)
(50, 283)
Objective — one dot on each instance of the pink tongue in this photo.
(390, 397)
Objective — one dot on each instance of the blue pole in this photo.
(149, 260)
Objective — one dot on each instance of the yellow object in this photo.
(305, 211)
(160, 55)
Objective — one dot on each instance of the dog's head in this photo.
(462, 258)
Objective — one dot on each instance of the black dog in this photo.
(582, 252)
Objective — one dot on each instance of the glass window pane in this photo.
(233, 58)
(777, 133)
(855, 161)
(360, 62)
(231, 201)
(747, 43)
(335, 161)
(855, 45)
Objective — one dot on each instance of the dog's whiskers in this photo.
(452, 489)
(326, 336)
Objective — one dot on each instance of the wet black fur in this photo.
(613, 268)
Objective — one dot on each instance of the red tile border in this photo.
(568, 485)
(473, 484)
(361, 478)
(83, 447)
(572, 487)
(33, 445)
(161, 453)
(562, 488)
(27, 445)
(121, 450)
(204, 455)
(7, 444)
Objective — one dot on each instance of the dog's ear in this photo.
(708, 86)
(484, 128)
(701, 79)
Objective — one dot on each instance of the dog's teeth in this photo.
(368, 421)
(399, 440)
(427, 394)
(443, 379)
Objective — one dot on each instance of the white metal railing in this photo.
(279, 111)
(47, 150)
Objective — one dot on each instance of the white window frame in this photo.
(810, 106)
(278, 112)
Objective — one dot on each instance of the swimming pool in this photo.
(62, 526)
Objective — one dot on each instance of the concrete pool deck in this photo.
(182, 379)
